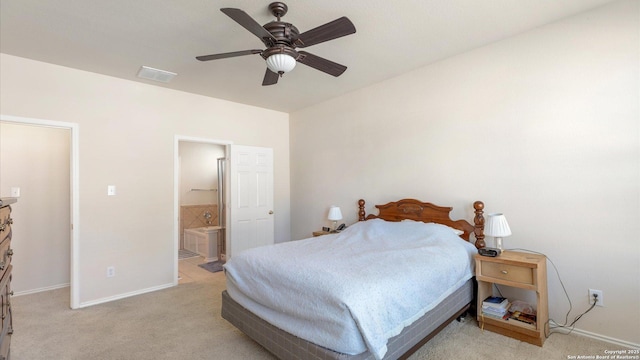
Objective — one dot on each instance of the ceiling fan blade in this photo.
(329, 31)
(250, 24)
(321, 64)
(270, 78)
(227, 55)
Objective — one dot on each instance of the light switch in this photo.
(15, 192)
(111, 190)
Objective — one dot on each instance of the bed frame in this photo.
(287, 346)
(412, 209)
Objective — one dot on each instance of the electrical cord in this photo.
(571, 326)
(566, 318)
(498, 289)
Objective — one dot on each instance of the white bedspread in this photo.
(354, 290)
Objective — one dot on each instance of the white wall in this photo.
(543, 126)
(37, 160)
(199, 170)
(126, 138)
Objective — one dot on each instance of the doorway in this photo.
(248, 211)
(199, 197)
(69, 230)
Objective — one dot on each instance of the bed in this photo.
(378, 290)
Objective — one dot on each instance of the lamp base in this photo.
(499, 243)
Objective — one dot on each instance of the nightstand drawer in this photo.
(519, 274)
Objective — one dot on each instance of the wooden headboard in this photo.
(426, 212)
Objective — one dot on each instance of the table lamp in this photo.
(497, 226)
(334, 215)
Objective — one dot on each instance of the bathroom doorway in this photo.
(200, 197)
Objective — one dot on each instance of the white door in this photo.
(251, 198)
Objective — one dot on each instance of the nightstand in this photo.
(518, 270)
(320, 233)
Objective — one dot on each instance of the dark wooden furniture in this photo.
(287, 346)
(5, 276)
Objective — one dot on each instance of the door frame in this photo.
(74, 273)
(176, 190)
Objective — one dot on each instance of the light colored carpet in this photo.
(184, 323)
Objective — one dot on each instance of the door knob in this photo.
(270, 212)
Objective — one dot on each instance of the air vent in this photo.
(150, 73)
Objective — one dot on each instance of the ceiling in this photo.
(116, 37)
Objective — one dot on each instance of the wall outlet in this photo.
(600, 301)
(111, 190)
(111, 271)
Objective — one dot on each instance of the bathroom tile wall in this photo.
(192, 216)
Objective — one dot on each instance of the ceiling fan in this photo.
(282, 39)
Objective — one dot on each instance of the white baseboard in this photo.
(607, 339)
(125, 295)
(47, 288)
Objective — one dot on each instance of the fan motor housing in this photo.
(285, 33)
(279, 49)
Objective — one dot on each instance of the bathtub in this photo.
(203, 241)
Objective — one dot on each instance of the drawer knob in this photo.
(10, 252)
(10, 221)
(11, 292)
(2, 227)
(504, 271)
(1, 265)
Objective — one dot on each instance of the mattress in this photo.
(288, 347)
(353, 291)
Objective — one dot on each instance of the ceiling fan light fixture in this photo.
(281, 63)
(281, 40)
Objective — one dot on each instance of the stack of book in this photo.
(496, 307)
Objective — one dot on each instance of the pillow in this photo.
(456, 231)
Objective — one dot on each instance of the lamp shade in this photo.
(334, 213)
(497, 226)
(281, 63)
